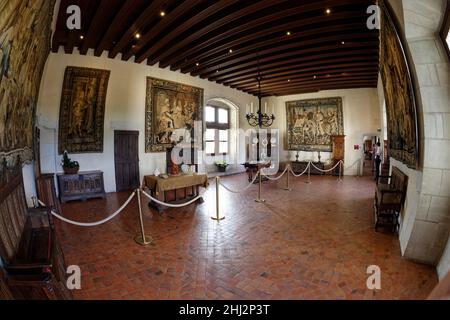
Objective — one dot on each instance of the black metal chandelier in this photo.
(260, 119)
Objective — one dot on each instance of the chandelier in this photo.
(260, 119)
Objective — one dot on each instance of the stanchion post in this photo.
(340, 171)
(288, 187)
(309, 174)
(260, 200)
(217, 217)
(142, 239)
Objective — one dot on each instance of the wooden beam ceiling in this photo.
(295, 46)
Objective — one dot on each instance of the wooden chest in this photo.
(81, 186)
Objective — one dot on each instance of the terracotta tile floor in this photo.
(312, 243)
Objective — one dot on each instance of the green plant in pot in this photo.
(69, 166)
(222, 165)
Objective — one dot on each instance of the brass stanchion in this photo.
(288, 187)
(340, 172)
(217, 217)
(260, 200)
(309, 174)
(142, 239)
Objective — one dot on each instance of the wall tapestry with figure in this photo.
(312, 123)
(398, 90)
(82, 111)
(170, 112)
(25, 31)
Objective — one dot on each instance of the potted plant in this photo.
(69, 166)
(222, 165)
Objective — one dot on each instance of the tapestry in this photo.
(312, 123)
(82, 111)
(398, 91)
(170, 112)
(25, 31)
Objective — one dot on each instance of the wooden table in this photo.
(175, 189)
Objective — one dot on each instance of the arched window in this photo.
(217, 135)
(445, 32)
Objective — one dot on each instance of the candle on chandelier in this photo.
(251, 107)
(265, 108)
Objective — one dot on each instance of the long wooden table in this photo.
(175, 189)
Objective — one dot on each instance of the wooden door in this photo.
(126, 158)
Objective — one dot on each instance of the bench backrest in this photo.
(13, 210)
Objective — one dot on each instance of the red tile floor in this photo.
(314, 242)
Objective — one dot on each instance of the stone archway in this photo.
(426, 227)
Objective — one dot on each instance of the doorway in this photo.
(126, 160)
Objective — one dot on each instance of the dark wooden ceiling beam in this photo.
(186, 25)
(156, 30)
(327, 69)
(149, 14)
(264, 53)
(309, 78)
(279, 60)
(116, 26)
(275, 31)
(313, 88)
(277, 16)
(267, 72)
(331, 79)
(105, 10)
(170, 50)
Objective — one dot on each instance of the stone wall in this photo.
(425, 232)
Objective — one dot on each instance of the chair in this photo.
(389, 199)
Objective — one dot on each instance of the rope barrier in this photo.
(279, 177)
(301, 174)
(169, 204)
(242, 190)
(329, 170)
(92, 224)
(355, 163)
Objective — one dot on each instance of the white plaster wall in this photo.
(361, 116)
(29, 179)
(125, 108)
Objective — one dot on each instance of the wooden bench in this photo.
(389, 199)
(32, 262)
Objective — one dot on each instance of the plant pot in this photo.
(222, 169)
(71, 170)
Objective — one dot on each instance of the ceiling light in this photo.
(217, 71)
(81, 37)
(343, 42)
(315, 77)
(288, 33)
(197, 64)
(137, 36)
(328, 11)
(289, 80)
(231, 50)
(162, 14)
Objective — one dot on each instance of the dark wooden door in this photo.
(126, 158)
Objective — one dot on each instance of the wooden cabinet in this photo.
(81, 186)
(338, 152)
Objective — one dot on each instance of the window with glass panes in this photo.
(217, 130)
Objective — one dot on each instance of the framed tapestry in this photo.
(82, 111)
(170, 112)
(399, 94)
(25, 31)
(312, 123)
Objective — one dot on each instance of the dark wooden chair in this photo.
(389, 199)
(33, 265)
